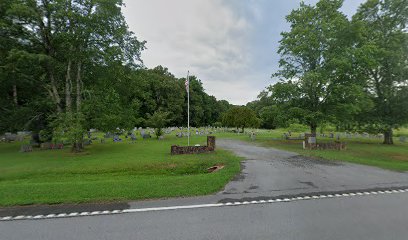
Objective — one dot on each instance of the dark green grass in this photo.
(110, 172)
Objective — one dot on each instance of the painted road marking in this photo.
(237, 203)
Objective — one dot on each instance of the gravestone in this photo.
(116, 138)
(308, 135)
(211, 143)
(45, 146)
(10, 137)
(311, 140)
(133, 137)
(145, 136)
(108, 135)
(338, 137)
(253, 136)
(26, 148)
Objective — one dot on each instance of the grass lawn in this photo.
(110, 172)
(360, 150)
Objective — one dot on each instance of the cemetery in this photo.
(121, 167)
(135, 164)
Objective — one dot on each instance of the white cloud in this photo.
(229, 44)
(205, 37)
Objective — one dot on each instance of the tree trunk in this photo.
(388, 137)
(78, 144)
(77, 147)
(15, 100)
(313, 128)
(78, 87)
(54, 90)
(243, 128)
(68, 87)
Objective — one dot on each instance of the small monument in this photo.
(177, 150)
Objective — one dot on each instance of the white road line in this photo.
(276, 200)
(173, 208)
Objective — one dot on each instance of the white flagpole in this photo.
(188, 107)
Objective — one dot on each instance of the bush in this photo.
(296, 127)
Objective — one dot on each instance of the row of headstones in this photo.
(12, 137)
(402, 139)
(367, 135)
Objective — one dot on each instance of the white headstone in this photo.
(312, 140)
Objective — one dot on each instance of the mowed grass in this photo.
(360, 150)
(110, 172)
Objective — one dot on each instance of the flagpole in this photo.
(188, 107)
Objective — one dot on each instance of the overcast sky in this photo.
(230, 45)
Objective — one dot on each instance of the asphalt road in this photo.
(360, 217)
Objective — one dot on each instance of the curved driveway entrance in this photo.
(272, 172)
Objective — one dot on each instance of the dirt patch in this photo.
(171, 166)
(215, 168)
(400, 157)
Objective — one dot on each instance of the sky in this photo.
(231, 45)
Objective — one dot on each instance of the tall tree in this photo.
(75, 38)
(383, 59)
(240, 117)
(315, 66)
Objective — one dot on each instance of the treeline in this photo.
(352, 74)
(67, 66)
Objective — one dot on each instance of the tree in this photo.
(76, 62)
(156, 90)
(382, 55)
(240, 117)
(158, 121)
(72, 39)
(315, 67)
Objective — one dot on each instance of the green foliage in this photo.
(79, 58)
(298, 128)
(240, 117)
(315, 66)
(158, 121)
(70, 126)
(382, 56)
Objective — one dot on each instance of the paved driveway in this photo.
(272, 172)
